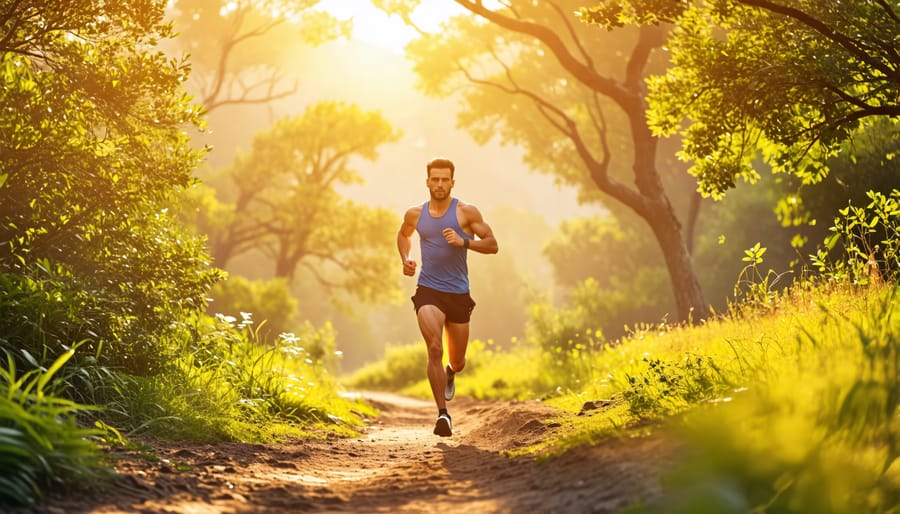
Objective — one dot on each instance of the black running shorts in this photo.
(455, 306)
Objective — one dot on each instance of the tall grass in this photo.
(815, 429)
(227, 385)
(41, 442)
(222, 384)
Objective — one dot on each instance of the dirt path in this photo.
(396, 466)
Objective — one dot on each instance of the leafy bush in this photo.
(870, 242)
(270, 301)
(401, 367)
(93, 151)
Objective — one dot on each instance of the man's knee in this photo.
(435, 350)
(458, 365)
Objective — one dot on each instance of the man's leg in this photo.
(457, 342)
(431, 324)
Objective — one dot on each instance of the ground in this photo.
(397, 465)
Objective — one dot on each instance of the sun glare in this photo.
(375, 27)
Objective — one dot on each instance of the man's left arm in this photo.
(486, 242)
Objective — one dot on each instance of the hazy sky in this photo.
(372, 72)
(373, 26)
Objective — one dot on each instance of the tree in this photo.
(545, 81)
(609, 259)
(786, 80)
(94, 151)
(237, 47)
(286, 203)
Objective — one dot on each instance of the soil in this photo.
(396, 465)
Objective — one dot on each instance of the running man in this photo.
(447, 228)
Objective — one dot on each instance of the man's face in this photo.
(439, 183)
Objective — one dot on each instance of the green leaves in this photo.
(791, 82)
(40, 441)
(287, 203)
(870, 237)
(93, 148)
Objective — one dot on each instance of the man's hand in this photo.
(452, 237)
(409, 267)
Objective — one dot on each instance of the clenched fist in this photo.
(452, 237)
(409, 267)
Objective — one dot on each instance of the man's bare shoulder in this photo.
(412, 213)
(468, 209)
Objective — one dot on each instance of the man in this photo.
(447, 228)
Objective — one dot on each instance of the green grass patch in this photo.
(41, 443)
(789, 407)
(226, 385)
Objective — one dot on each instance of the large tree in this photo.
(574, 98)
(790, 81)
(286, 201)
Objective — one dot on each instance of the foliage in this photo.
(287, 205)
(755, 290)
(866, 162)
(400, 367)
(273, 307)
(613, 271)
(225, 384)
(41, 443)
(791, 80)
(830, 446)
(532, 75)
(239, 48)
(93, 148)
(870, 238)
(668, 386)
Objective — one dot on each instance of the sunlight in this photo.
(375, 27)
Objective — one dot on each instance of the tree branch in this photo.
(584, 73)
(820, 27)
(568, 127)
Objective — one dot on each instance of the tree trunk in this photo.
(686, 289)
(657, 211)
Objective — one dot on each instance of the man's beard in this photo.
(439, 195)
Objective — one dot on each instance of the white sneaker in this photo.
(450, 389)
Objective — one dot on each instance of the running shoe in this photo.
(450, 389)
(442, 427)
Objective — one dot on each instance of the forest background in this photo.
(563, 247)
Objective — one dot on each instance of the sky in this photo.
(375, 27)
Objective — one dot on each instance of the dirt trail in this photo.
(398, 465)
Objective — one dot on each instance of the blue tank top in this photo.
(443, 265)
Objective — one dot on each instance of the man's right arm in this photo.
(404, 240)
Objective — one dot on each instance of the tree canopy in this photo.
(286, 201)
(237, 47)
(789, 81)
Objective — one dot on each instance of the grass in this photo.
(788, 407)
(41, 443)
(227, 386)
(223, 385)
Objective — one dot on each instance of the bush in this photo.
(270, 302)
(401, 367)
(870, 242)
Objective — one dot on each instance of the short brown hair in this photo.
(439, 162)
